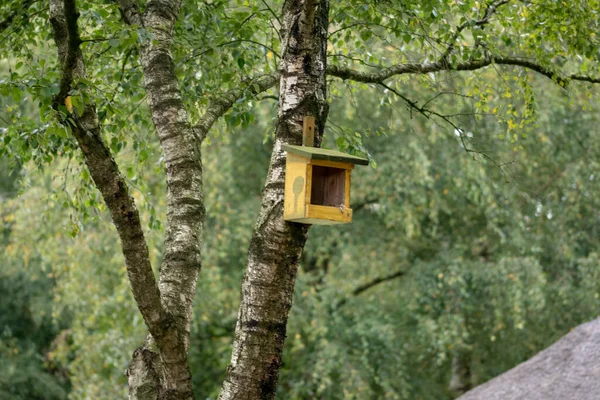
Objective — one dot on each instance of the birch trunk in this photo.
(167, 361)
(276, 246)
(461, 380)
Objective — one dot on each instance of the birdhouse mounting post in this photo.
(308, 132)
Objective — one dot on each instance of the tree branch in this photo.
(489, 11)
(19, 8)
(272, 12)
(195, 54)
(356, 207)
(103, 168)
(221, 104)
(366, 286)
(185, 203)
(130, 10)
(438, 66)
(429, 114)
(380, 279)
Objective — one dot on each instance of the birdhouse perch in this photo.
(317, 182)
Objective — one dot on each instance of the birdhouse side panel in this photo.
(347, 189)
(295, 187)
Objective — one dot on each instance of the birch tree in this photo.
(410, 39)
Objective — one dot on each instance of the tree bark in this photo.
(185, 205)
(143, 373)
(86, 129)
(159, 368)
(173, 379)
(276, 246)
(460, 380)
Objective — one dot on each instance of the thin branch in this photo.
(200, 53)
(358, 60)
(248, 18)
(411, 104)
(268, 97)
(429, 113)
(19, 10)
(438, 66)
(15, 28)
(95, 40)
(380, 279)
(272, 12)
(271, 49)
(221, 104)
(490, 10)
(122, 74)
(368, 285)
(466, 96)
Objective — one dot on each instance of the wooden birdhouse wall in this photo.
(295, 187)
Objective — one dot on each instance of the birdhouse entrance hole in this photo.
(328, 186)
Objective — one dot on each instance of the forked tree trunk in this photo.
(276, 246)
(159, 369)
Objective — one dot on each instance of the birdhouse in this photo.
(317, 182)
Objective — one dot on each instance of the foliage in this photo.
(482, 191)
(28, 326)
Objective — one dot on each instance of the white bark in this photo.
(276, 246)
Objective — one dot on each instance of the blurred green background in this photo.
(458, 264)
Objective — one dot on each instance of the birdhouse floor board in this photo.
(337, 214)
(316, 221)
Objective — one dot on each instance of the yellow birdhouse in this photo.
(317, 182)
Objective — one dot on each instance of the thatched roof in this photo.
(567, 370)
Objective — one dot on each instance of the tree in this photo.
(451, 37)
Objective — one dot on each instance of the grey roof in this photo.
(315, 153)
(569, 369)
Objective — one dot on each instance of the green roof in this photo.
(314, 153)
